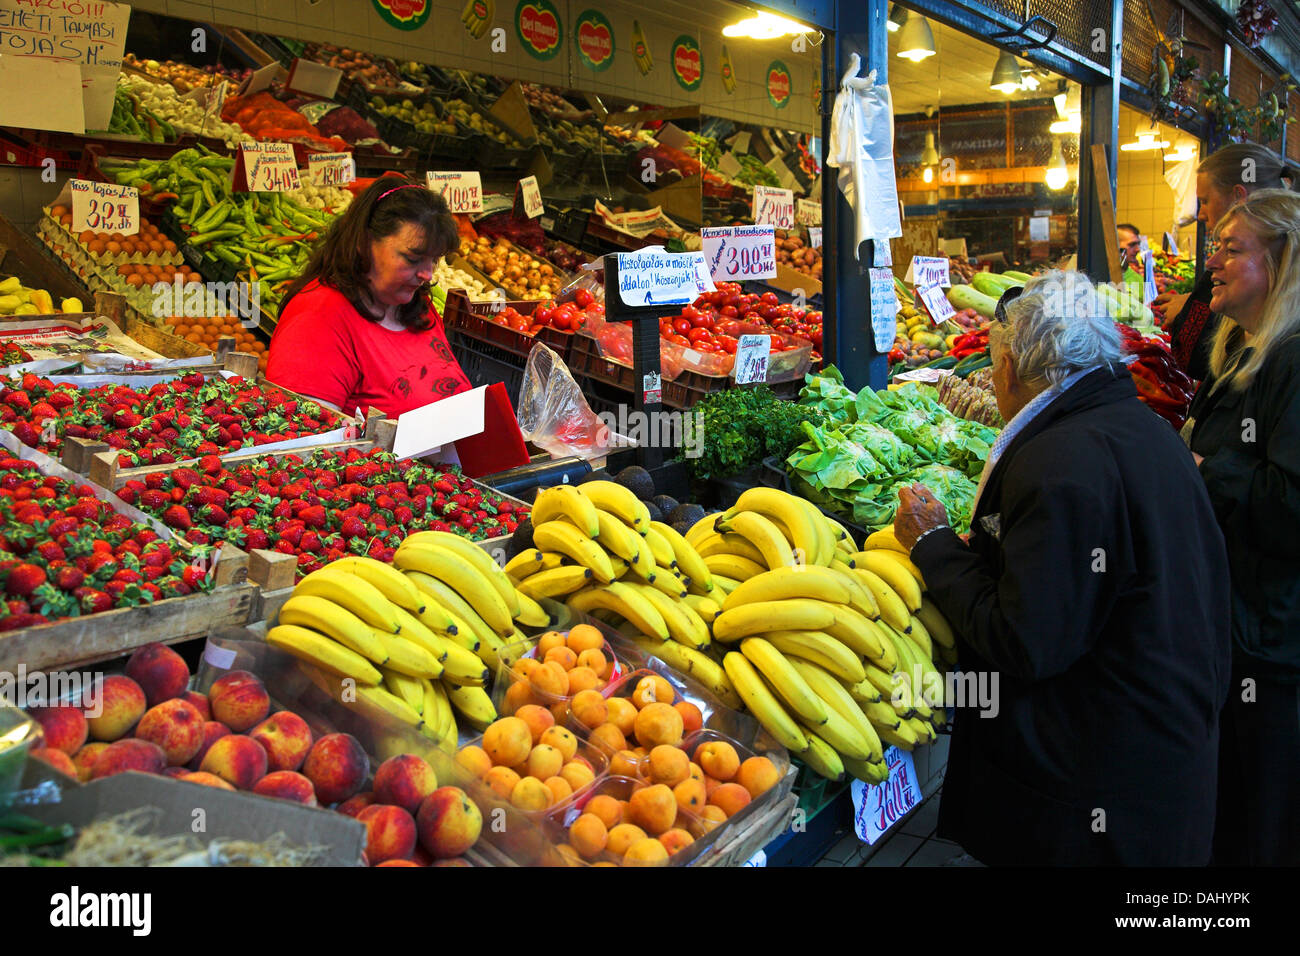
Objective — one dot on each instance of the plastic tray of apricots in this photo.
(562, 665)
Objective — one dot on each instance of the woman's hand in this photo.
(1169, 304)
(918, 512)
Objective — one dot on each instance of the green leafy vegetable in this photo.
(740, 427)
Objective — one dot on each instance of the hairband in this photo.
(396, 188)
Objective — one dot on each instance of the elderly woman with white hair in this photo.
(1094, 584)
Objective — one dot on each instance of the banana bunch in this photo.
(825, 643)
(891, 550)
(641, 50)
(477, 17)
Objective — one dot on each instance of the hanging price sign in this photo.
(808, 212)
(815, 236)
(737, 253)
(876, 809)
(884, 308)
(773, 207)
(751, 359)
(928, 270)
(267, 168)
(532, 196)
(936, 303)
(104, 207)
(331, 169)
(463, 191)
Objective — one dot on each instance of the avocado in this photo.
(665, 503)
(681, 527)
(521, 540)
(638, 481)
(688, 513)
(599, 474)
(655, 513)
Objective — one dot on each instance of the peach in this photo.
(622, 714)
(547, 642)
(239, 700)
(691, 795)
(508, 741)
(65, 727)
(538, 719)
(646, 852)
(590, 708)
(337, 767)
(129, 754)
(623, 836)
(176, 727)
(161, 673)
(286, 738)
(177, 772)
(658, 723)
(718, 759)
(206, 779)
(354, 804)
(213, 730)
(757, 775)
(653, 808)
(122, 704)
(501, 781)
(236, 759)
(668, 765)
(390, 833)
(550, 679)
(692, 716)
(287, 785)
(199, 702)
(84, 759)
(608, 808)
(593, 660)
(57, 759)
(530, 794)
(583, 678)
(563, 656)
(404, 781)
(625, 764)
(609, 738)
(675, 840)
(561, 739)
(731, 797)
(544, 761)
(475, 760)
(577, 773)
(449, 822)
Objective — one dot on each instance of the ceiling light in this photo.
(927, 174)
(1058, 174)
(929, 155)
(915, 41)
(897, 17)
(1148, 139)
(764, 26)
(1071, 124)
(1069, 119)
(1184, 152)
(1006, 74)
(1029, 81)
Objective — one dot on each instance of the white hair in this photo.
(1058, 325)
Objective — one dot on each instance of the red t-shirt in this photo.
(324, 349)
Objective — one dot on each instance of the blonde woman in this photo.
(1244, 433)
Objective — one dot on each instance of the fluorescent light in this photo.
(1058, 174)
(915, 40)
(1146, 140)
(1072, 124)
(764, 26)
(1184, 152)
(927, 174)
(1006, 74)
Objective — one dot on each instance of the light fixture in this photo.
(929, 155)
(915, 40)
(1147, 140)
(1058, 174)
(1184, 152)
(764, 26)
(1006, 74)
(1069, 117)
(1028, 81)
(897, 17)
(927, 174)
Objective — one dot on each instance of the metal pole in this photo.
(1100, 108)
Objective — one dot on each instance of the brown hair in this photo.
(1250, 166)
(342, 260)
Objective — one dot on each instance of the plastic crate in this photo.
(571, 227)
(477, 325)
(814, 791)
(484, 363)
(681, 393)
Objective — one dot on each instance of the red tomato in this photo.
(729, 311)
(769, 298)
(681, 325)
(680, 340)
(697, 334)
(583, 298)
(727, 344)
(543, 315)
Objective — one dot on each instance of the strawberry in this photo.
(197, 536)
(154, 499)
(256, 538)
(17, 607)
(353, 527)
(177, 516)
(18, 621)
(18, 401)
(24, 579)
(313, 516)
(87, 509)
(27, 433)
(213, 515)
(184, 477)
(310, 541)
(284, 547)
(210, 465)
(92, 600)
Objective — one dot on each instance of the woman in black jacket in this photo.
(1095, 586)
(1244, 431)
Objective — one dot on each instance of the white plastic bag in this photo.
(554, 415)
(862, 147)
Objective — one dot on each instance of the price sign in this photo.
(773, 207)
(879, 807)
(928, 270)
(751, 359)
(104, 207)
(653, 276)
(936, 303)
(808, 212)
(532, 195)
(815, 236)
(884, 308)
(463, 191)
(736, 253)
(268, 167)
(1149, 290)
(331, 169)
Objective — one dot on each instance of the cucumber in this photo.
(948, 361)
(968, 297)
(992, 285)
(1019, 277)
(983, 361)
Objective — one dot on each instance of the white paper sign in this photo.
(927, 375)
(1149, 290)
(878, 808)
(737, 253)
(936, 303)
(928, 270)
(269, 167)
(431, 426)
(740, 142)
(808, 212)
(774, 207)
(261, 79)
(751, 359)
(884, 309)
(729, 166)
(815, 236)
(1040, 228)
(331, 169)
(104, 207)
(533, 206)
(1171, 244)
(41, 94)
(313, 79)
(652, 276)
(462, 190)
(884, 255)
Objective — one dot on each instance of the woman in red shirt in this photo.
(358, 328)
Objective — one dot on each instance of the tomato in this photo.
(680, 340)
(769, 298)
(751, 317)
(681, 325)
(727, 344)
(697, 334)
(519, 323)
(583, 298)
(543, 315)
(690, 313)
(729, 311)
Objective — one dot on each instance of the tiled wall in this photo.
(23, 194)
(1144, 198)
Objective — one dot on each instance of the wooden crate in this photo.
(757, 830)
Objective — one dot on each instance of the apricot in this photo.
(712, 816)
(757, 775)
(583, 678)
(569, 855)
(550, 679)
(607, 808)
(518, 696)
(578, 774)
(475, 760)
(584, 637)
(668, 765)
(696, 772)
(625, 764)
(502, 781)
(652, 689)
(657, 723)
(530, 794)
(622, 714)
(560, 789)
(653, 808)
(508, 741)
(691, 796)
(588, 835)
(590, 708)
(646, 852)
(563, 656)
(731, 798)
(718, 759)
(538, 719)
(609, 737)
(548, 642)
(544, 761)
(562, 739)
(675, 840)
(560, 711)
(692, 717)
(623, 836)
(592, 659)
(525, 666)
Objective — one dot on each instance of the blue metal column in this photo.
(847, 338)
(1100, 108)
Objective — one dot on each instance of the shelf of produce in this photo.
(378, 159)
(681, 393)
(24, 256)
(473, 319)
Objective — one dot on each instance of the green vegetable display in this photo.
(742, 426)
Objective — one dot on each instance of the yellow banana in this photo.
(883, 712)
(531, 614)
(805, 580)
(565, 501)
(822, 758)
(438, 716)
(762, 534)
(701, 529)
(913, 672)
(410, 689)
(903, 561)
(351, 592)
(902, 736)
(326, 653)
(328, 618)
(619, 539)
(842, 703)
(936, 625)
(696, 664)
(408, 657)
(624, 600)
(798, 614)
(530, 561)
(892, 573)
(763, 704)
(389, 703)
(684, 625)
(859, 597)
(892, 609)
(724, 584)
(565, 538)
(562, 616)
(463, 667)
(668, 582)
(386, 578)
(612, 497)
(706, 608)
(869, 773)
(413, 629)
(884, 539)
(799, 698)
(925, 733)
(733, 566)
(730, 544)
(790, 510)
(473, 704)
(688, 559)
(475, 556)
(665, 557)
(920, 637)
(461, 577)
(821, 649)
(857, 633)
(556, 582)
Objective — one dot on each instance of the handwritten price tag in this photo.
(331, 169)
(928, 270)
(532, 195)
(104, 207)
(773, 207)
(878, 808)
(737, 253)
(751, 359)
(463, 191)
(936, 303)
(270, 167)
(815, 236)
(884, 308)
(808, 212)
(653, 276)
